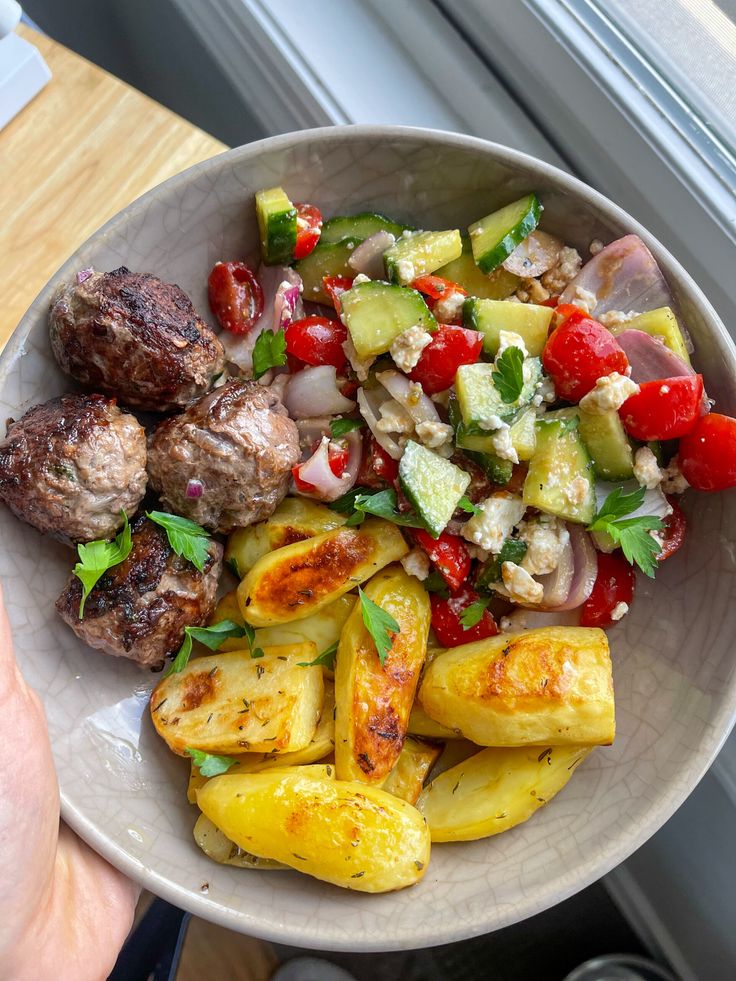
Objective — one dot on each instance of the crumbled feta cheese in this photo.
(673, 481)
(416, 563)
(566, 268)
(509, 338)
(476, 552)
(585, 299)
(620, 610)
(434, 434)
(405, 270)
(407, 348)
(360, 366)
(495, 520)
(505, 625)
(491, 423)
(394, 418)
(612, 318)
(595, 246)
(545, 391)
(646, 468)
(415, 394)
(546, 538)
(610, 392)
(361, 278)
(502, 445)
(520, 585)
(449, 307)
(531, 291)
(577, 490)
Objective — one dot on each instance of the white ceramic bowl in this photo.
(124, 792)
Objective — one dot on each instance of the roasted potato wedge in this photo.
(298, 580)
(321, 746)
(217, 846)
(373, 701)
(341, 832)
(453, 752)
(414, 763)
(323, 628)
(421, 724)
(496, 789)
(550, 686)
(229, 703)
(294, 520)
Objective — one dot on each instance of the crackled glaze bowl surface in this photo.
(124, 792)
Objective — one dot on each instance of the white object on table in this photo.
(23, 72)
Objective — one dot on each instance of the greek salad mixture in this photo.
(437, 460)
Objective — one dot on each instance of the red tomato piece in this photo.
(578, 353)
(446, 615)
(551, 301)
(673, 534)
(317, 340)
(235, 296)
(708, 453)
(308, 229)
(377, 468)
(435, 287)
(614, 584)
(665, 409)
(335, 286)
(337, 457)
(449, 554)
(449, 348)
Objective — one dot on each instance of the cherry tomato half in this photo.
(673, 533)
(235, 296)
(317, 340)
(665, 409)
(446, 615)
(449, 348)
(377, 468)
(308, 229)
(708, 453)
(449, 554)
(435, 287)
(578, 353)
(335, 286)
(614, 584)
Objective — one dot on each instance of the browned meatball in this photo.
(139, 608)
(70, 466)
(133, 336)
(226, 461)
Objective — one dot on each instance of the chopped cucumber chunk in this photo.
(560, 478)
(661, 322)
(421, 253)
(327, 259)
(432, 484)
(463, 271)
(479, 399)
(277, 226)
(528, 320)
(496, 236)
(497, 470)
(375, 313)
(360, 227)
(609, 447)
(522, 431)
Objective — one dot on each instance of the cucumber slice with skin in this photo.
(360, 226)
(560, 479)
(522, 432)
(432, 484)
(496, 236)
(497, 470)
(609, 447)
(420, 253)
(529, 320)
(463, 271)
(277, 226)
(327, 259)
(659, 323)
(479, 399)
(375, 313)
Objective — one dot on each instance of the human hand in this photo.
(64, 911)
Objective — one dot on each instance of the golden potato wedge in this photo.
(496, 789)
(373, 701)
(323, 628)
(549, 686)
(298, 580)
(320, 747)
(228, 703)
(453, 752)
(339, 831)
(217, 846)
(295, 519)
(421, 724)
(414, 763)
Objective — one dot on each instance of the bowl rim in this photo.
(627, 840)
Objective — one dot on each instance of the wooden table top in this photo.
(85, 147)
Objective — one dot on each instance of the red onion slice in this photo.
(313, 392)
(537, 253)
(84, 274)
(195, 488)
(367, 258)
(531, 619)
(419, 406)
(585, 560)
(369, 401)
(287, 305)
(651, 360)
(311, 430)
(239, 347)
(557, 584)
(317, 471)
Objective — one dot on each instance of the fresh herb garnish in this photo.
(379, 624)
(346, 503)
(384, 504)
(208, 764)
(250, 635)
(508, 374)
(630, 534)
(186, 538)
(326, 658)
(434, 583)
(465, 504)
(269, 351)
(338, 427)
(512, 550)
(95, 558)
(473, 614)
(211, 637)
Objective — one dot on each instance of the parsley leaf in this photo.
(211, 637)
(508, 374)
(384, 505)
(473, 614)
(465, 504)
(269, 351)
(346, 503)
(434, 583)
(208, 764)
(379, 624)
(512, 550)
(95, 558)
(327, 658)
(338, 427)
(250, 635)
(630, 534)
(187, 538)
